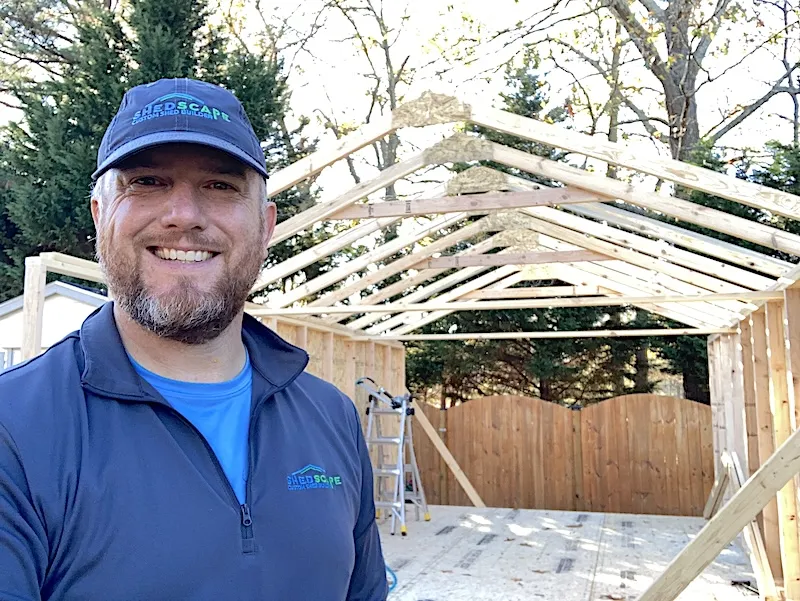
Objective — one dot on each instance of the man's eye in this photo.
(146, 181)
(221, 186)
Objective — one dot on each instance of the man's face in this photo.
(182, 233)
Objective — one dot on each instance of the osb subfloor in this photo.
(510, 555)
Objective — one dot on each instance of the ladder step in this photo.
(386, 411)
(387, 505)
(386, 472)
(384, 440)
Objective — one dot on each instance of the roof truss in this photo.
(587, 234)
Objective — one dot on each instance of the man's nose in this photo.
(183, 208)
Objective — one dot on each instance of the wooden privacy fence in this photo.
(644, 454)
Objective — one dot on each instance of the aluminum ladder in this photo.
(395, 469)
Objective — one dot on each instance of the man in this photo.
(174, 448)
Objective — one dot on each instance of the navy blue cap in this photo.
(180, 110)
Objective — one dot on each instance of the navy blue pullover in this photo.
(107, 493)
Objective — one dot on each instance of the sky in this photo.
(328, 76)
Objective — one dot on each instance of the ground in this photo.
(472, 554)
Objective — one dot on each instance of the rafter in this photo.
(633, 333)
(443, 284)
(537, 292)
(328, 154)
(403, 263)
(467, 203)
(684, 210)
(634, 281)
(324, 210)
(381, 252)
(648, 253)
(526, 258)
(691, 176)
(510, 275)
(700, 243)
(319, 251)
(700, 280)
(390, 269)
(534, 303)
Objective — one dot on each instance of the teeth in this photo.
(186, 256)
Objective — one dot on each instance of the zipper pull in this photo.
(247, 520)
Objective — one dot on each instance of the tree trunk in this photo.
(642, 377)
(681, 87)
(696, 389)
(545, 389)
(614, 100)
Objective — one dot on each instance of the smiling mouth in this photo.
(184, 256)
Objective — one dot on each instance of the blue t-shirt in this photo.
(220, 411)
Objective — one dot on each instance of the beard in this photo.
(185, 313)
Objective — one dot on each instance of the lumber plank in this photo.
(684, 210)
(381, 252)
(323, 210)
(33, 307)
(410, 282)
(317, 252)
(601, 275)
(673, 170)
(403, 263)
(753, 540)
(439, 305)
(781, 419)
(748, 377)
(766, 438)
(525, 258)
(722, 528)
(468, 203)
(328, 154)
(535, 292)
(654, 248)
(510, 275)
(552, 334)
(680, 236)
(630, 256)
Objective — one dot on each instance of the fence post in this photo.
(577, 460)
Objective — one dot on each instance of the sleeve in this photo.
(23, 540)
(368, 582)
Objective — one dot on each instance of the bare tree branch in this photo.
(749, 110)
(654, 9)
(602, 71)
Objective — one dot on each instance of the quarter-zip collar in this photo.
(108, 370)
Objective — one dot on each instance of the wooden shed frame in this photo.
(748, 303)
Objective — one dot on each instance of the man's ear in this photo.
(270, 214)
(95, 208)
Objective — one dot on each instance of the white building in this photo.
(65, 308)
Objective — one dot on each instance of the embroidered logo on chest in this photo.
(311, 477)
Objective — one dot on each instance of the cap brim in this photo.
(175, 137)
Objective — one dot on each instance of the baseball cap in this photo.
(183, 110)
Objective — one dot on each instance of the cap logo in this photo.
(179, 104)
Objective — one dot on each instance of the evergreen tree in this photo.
(49, 156)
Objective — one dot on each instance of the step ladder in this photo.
(395, 469)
